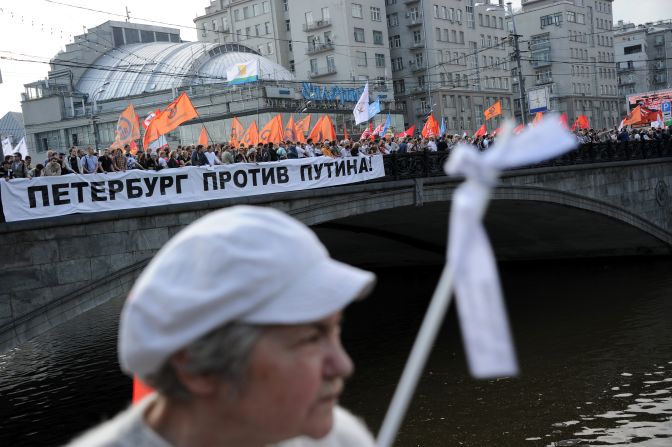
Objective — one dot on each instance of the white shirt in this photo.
(310, 152)
(431, 145)
(212, 158)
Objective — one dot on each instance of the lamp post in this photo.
(94, 98)
(516, 54)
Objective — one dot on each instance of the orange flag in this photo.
(493, 111)
(581, 122)
(293, 133)
(431, 128)
(176, 113)
(203, 138)
(537, 118)
(304, 124)
(251, 136)
(127, 129)
(272, 131)
(563, 121)
(481, 131)
(236, 132)
(316, 134)
(345, 133)
(634, 117)
(328, 130)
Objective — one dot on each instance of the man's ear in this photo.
(197, 384)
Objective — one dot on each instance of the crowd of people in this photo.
(78, 161)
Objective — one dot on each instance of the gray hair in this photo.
(223, 351)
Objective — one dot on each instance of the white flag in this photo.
(481, 310)
(7, 148)
(361, 111)
(22, 148)
(245, 72)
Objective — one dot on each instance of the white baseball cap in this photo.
(248, 264)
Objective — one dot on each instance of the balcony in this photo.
(414, 21)
(319, 72)
(544, 81)
(659, 65)
(319, 48)
(627, 80)
(418, 44)
(417, 67)
(660, 79)
(540, 45)
(319, 24)
(537, 63)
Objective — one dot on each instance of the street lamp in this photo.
(521, 79)
(94, 98)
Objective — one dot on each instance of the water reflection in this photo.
(594, 342)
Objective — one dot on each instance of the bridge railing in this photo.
(430, 164)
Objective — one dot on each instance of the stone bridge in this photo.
(599, 200)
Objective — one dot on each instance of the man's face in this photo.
(294, 378)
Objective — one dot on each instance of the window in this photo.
(395, 41)
(419, 61)
(393, 19)
(269, 48)
(375, 14)
(451, 14)
(285, 7)
(399, 86)
(551, 19)
(309, 18)
(267, 27)
(287, 25)
(248, 33)
(357, 11)
(453, 35)
(313, 65)
(437, 33)
(331, 64)
(632, 49)
(581, 18)
(257, 27)
(380, 60)
(266, 7)
(325, 14)
(417, 36)
(461, 37)
(361, 58)
(359, 34)
(458, 15)
(378, 37)
(246, 12)
(397, 64)
(571, 16)
(236, 14)
(256, 9)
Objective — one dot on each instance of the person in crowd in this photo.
(198, 157)
(73, 163)
(53, 166)
(212, 157)
(120, 158)
(18, 167)
(28, 162)
(251, 154)
(90, 162)
(239, 352)
(6, 170)
(282, 151)
(228, 157)
(107, 162)
(37, 170)
(309, 149)
(173, 161)
(133, 163)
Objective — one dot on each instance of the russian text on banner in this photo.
(41, 197)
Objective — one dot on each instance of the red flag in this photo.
(140, 390)
(203, 138)
(537, 118)
(379, 128)
(518, 129)
(407, 133)
(583, 122)
(431, 128)
(482, 131)
(634, 117)
(563, 121)
(367, 132)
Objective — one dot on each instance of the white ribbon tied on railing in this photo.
(481, 310)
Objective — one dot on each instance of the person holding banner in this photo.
(240, 353)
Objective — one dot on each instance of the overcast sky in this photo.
(38, 29)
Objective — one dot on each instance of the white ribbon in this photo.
(480, 306)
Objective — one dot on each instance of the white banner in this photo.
(41, 197)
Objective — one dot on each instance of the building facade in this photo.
(449, 58)
(567, 49)
(317, 40)
(119, 63)
(642, 56)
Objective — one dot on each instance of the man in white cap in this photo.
(239, 353)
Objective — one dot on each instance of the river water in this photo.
(594, 342)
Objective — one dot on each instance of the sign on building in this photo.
(537, 100)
